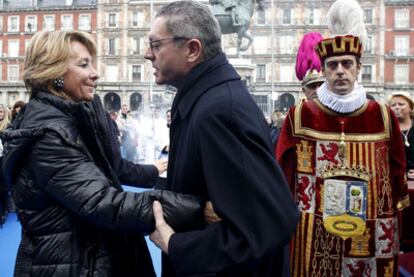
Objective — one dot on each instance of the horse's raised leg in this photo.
(239, 42)
(249, 38)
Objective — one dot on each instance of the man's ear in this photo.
(194, 50)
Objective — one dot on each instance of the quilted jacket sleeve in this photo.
(69, 177)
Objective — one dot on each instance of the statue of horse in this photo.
(234, 17)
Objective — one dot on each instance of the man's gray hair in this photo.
(191, 19)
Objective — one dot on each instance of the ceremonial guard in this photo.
(343, 156)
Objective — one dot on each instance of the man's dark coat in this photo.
(221, 150)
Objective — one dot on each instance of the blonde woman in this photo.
(402, 105)
(4, 122)
(75, 216)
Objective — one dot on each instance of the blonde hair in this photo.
(47, 58)
(406, 96)
(6, 119)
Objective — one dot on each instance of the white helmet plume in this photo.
(345, 17)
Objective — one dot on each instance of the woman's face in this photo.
(401, 107)
(2, 113)
(80, 78)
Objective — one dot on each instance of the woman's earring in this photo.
(58, 83)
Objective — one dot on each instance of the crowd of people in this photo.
(313, 192)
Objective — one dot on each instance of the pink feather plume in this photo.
(307, 58)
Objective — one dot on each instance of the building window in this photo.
(287, 16)
(84, 22)
(136, 73)
(366, 73)
(401, 73)
(49, 22)
(13, 48)
(112, 46)
(112, 73)
(135, 18)
(313, 16)
(67, 22)
(13, 24)
(368, 16)
(401, 45)
(1, 50)
(1, 24)
(261, 73)
(261, 101)
(261, 17)
(136, 46)
(369, 46)
(112, 22)
(31, 24)
(285, 44)
(13, 72)
(286, 73)
(401, 18)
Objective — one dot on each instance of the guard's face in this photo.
(80, 78)
(167, 54)
(310, 90)
(401, 107)
(341, 73)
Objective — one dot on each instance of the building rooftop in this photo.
(40, 4)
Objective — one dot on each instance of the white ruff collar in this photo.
(347, 103)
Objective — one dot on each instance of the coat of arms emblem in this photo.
(345, 207)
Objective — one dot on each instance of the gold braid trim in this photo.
(404, 203)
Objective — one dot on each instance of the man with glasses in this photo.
(343, 157)
(220, 150)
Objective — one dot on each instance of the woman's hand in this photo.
(209, 213)
(161, 165)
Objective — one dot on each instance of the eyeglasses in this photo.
(156, 44)
(333, 65)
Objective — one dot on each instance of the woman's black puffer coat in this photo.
(76, 219)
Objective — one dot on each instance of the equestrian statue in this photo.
(234, 17)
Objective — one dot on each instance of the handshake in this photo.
(182, 212)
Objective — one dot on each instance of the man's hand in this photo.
(163, 232)
(209, 214)
(161, 165)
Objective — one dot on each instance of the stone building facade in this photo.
(268, 66)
